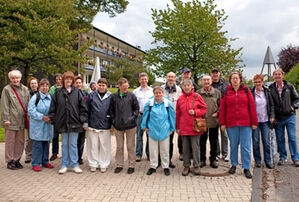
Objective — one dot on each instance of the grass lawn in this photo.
(2, 137)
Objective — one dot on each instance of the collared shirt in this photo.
(143, 96)
(279, 88)
(171, 89)
(261, 106)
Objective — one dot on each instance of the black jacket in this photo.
(124, 111)
(98, 110)
(68, 111)
(221, 85)
(270, 104)
(289, 98)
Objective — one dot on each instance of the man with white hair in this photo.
(14, 102)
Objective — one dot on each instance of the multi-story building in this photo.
(108, 48)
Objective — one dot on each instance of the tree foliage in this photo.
(191, 35)
(293, 76)
(43, 34)
(288, 57)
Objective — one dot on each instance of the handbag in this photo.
(199, 124)
(25, 112)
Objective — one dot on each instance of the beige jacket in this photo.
(212, 100)
(11, 109)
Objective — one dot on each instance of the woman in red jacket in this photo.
(238, 116)
(185, 113)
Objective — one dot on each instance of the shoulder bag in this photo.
(199, 124)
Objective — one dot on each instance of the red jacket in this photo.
(184, 121)
(237, 108)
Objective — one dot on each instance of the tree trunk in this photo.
(26, 74)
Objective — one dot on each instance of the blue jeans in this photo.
(69, 149)
(40, 153)
(290, 124)
(263, 131)
(139, 139)
(240, 135)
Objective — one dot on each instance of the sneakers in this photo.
(186, 171)
(138, 158)
(269, 165)
(202, 164)
(53, 157)
(80, 161)
(196, 171)
(171, 165)
(48, 165)
(281, 162)
(103, 170)
(258, 165)
(232, 170)
(11, 165)
(62, 170)
(93, 169)
(214, 164)
(77, 170)
(166, 171)
(130, 170)
(27, 161)
(296, 163)
(151, 171)
(225, 158)
(247, 173)
(118, 169)
(217, 158)
(36, 168)
(18, 164)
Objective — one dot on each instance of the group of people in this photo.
(243, 116)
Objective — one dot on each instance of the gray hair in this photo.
(14, 73)
(187, 81)
(158, 88)
(278, 70)
(206, 75)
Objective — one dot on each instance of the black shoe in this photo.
(118, 169)
(171, 165)
(11, 165)
(281, 162)
(296, 163)
(232, 170)
(247, 174)
(269, 165)
(130, 170)
(151, 171)
(80, 161)
(18, 164)
(166, 171)
(27, 161)
(258, 165)
(53, 157)
(214, 164)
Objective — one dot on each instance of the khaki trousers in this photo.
(156, 147)
(131, 149)
(14, 144)
(28, 146)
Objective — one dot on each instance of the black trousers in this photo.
(213, 137)
(80, 143)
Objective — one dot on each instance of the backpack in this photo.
(38, 98)
(150, 108)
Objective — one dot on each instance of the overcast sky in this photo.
(256, 24)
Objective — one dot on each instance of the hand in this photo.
(46, 119)
(111, 130)
(7, 123)
(191, 112)
(271, 120)
(178, 132)
(215, 114)
(145, 130)
(223, 127)
(254, 127)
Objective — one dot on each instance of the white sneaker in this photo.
(93, 169)
(103, 170)
(62, 170)
(77, 170)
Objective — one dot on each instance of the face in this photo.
(123, 87)
(278, 76)
(258, 83)
(58, 80)
(93, 87)
(78, 83)
(158, 94)
(33, 85)
(143, 81)
(170, 78)
(68, 82)
(44, 88)
(102, 87)
(215, 76)
(186, 75)
(187, 88)
(235, 80)
(206, 82)
(15, 80)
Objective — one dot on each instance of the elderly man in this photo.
(211, 96)
(172, 92)
(286, 101)
(219, 84)
(143, 94)
(186, 75)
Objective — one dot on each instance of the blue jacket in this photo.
(98, 110)
(39, 129)
(161, 121)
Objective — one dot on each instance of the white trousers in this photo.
(98, 147)
(156, 147)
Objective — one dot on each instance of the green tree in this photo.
(43, 34)
(191, 35)
(293, 76)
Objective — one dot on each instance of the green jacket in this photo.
(11, 109)
(212, 100)
(53, 89)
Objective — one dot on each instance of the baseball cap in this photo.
(185, 70)
(215, 70)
